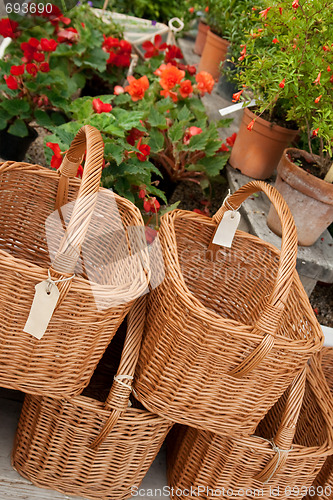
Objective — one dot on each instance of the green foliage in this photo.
(159, 10)
(289, 63)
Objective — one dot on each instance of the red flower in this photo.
(39, 57)
(30, 50)
(125, 46)
(317, 80)
(173, 52)
(151, 205)
(56, 159)
(207, 9)
(32, 69)
(326, 48)
(186, 88)
(280, 10)
(223, 148)
(8, 28)
(79, 172)
(236, 96)
(118, 90)
(282, 84)
(48, 45)
(315, 310)
(191, 70)
(205, 82)
(328, 68)
(190, 132)
(231, 140)
(134, 135)
(145, 151)
(243, 53)
(153, 49)
(171, 76)
(68, 35)
(250, 125)
(17, 70)
(317, 99)
(41, 101)
(44, 67)
(263, 13)
(169, 93)
(110, 43)
(142, 193)
(122, 60)
(275, 40)
(295, 4)
(101, 107)
(315, 132)
(11, 82)
(137, 88)
(202, 212)
(191, 10)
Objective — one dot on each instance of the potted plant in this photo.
(289, 69)
(32, 89)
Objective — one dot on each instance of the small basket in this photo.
(322, 488)
(227, 331)
(81, 446)
(259, 466)
(63, 360)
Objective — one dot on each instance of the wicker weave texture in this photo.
(324, 361)
(258, 465)
(224, 336)
(62, 362)
(81, 446)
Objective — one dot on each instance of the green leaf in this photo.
(156, 140)
(43, 119)
(176, 131)
(3, 123)
(212, 146)
(157, 192)
(184, 114)
(197, 142)
(169, 208)
(96, 60)
(156, 119)
(213, 165)
(127, 119)
(15, 107)
(81, 108)
(19, 128)
(116, 151)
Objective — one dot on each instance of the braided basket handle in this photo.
(87, 139)
(121, 389)
(284, 437)
(271, 316)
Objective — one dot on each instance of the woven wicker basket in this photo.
(322, 488)
(63, 360)
(81, 446)
(227, 331)
(280, 460)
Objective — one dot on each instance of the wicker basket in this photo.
(322, 488)
(259, 466)
(63, 360)
(81, 446)
(226, 332)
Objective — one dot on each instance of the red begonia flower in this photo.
(17, 70)
(100, 106)
(11, 82)
(153, 49)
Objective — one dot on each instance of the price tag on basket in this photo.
(227, 228)
(44, 303)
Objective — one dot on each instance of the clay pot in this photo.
(256, 153)
(214, 53)
(200, 40)
(310, 199)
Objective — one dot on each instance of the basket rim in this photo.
(195, 305)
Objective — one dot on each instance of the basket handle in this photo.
(118, 398)
(87, 139)
(271, 315)
(284, 437)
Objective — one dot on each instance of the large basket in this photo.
(322, 488)
(81, 446)
(280, 460)
(227, 331)
(62, 361)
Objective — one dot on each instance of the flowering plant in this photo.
(128, 168)
(184, 145)
(31, 90)
(288, 65)
(88, 47)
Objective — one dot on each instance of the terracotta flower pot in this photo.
(200, 40)
(256, 153)
(309, 198)
(214, 53)
(15, 148)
